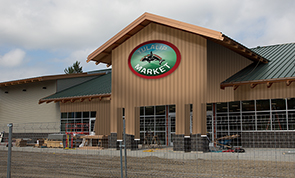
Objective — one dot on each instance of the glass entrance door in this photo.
(170, 130)
(91, 125)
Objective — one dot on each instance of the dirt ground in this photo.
(29, 164)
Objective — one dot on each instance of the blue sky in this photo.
(44, 37)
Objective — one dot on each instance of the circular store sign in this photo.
(154, 59)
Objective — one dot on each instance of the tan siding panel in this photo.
(18, 106)
(222, 63)
(186, 85)
(102, 108)
(277, 90)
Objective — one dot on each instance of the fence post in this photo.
(121, 161)
(125, 149)
(9, 150)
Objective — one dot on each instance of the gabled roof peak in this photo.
(103, 53)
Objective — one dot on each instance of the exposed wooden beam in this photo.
(236, 87)
(288, 82)
(253, 85)
(269, 84)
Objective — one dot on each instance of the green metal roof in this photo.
(101, 85)
(281, 65)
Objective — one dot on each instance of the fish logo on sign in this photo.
(154, 59)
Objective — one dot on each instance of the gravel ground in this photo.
(54, 164)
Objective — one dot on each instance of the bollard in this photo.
(9, 150)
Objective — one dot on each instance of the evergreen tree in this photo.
(74, 69)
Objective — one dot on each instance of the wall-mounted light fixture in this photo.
(24, 89)
(6, 92)
(44, 88)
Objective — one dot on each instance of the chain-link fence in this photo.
(40, 150)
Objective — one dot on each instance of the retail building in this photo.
(182, 83)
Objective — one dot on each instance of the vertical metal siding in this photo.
(222, 63)
(102, 108)
(186, 85)
(277, 90)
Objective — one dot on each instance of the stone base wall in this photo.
(199, 143)
(268, 139)
(193, 143)
(130, 142)
(178, 142)
(113, 140)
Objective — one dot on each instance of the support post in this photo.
(9, 151)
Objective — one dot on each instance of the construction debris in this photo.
(20, 142)
(225, 141)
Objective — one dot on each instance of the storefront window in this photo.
(149, 110)
(234, 122)
(160, 123)
(248, 105)
(171, 108)
(142, 124)
(221, 107)
(291, 120)
(141, 111)
(278, 104)
(248, 121)
(222, 123)
(209, 107)
(263, 121)
(93, 114)
(234, 106)
(291, 103)
(85, 114)
(149, 124)
(71, 115)
(262, 105)
(160, 110)
(279, 121)
(74, 122)
(78, 115)
(64, 115)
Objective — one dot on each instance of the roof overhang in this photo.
(103, 53)
(254, 83)
(48, 78)
(77, 98)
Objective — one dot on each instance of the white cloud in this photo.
(78, 25)
(70, 30)
(12, 58)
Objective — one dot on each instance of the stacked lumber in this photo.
(20, 142)
(54, 143)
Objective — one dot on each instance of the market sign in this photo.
(154, 59)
